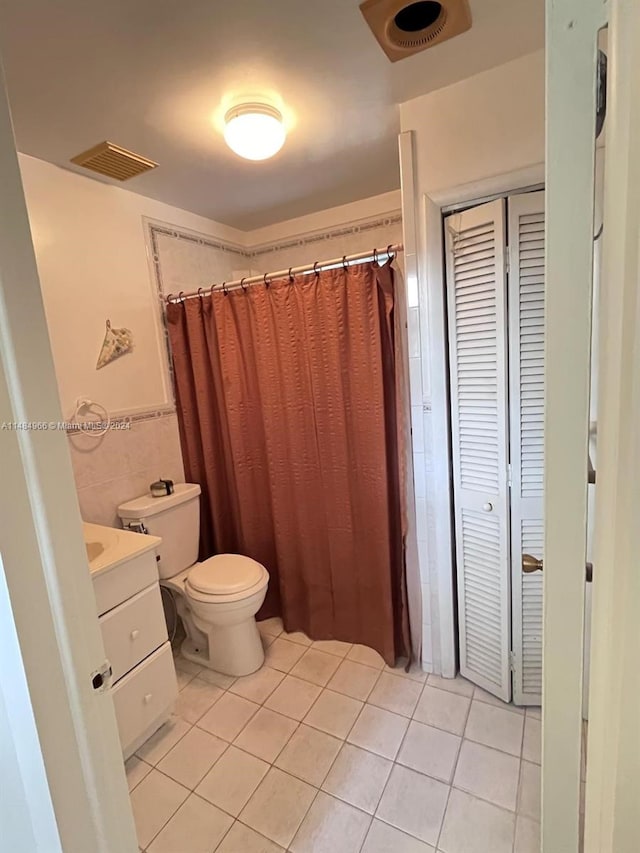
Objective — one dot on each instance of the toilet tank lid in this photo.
(146, 505)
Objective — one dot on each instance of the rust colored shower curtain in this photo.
(288, 417)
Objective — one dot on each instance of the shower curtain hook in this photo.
(390, 257)
(200, 293)
(181, 296)
(267, 282)
(375, 257)
(243, 285)
(170, 297)
(224, 288)
(291, 277)
(211, 290)
(345, 265)
(315, 268)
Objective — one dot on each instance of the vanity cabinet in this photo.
(144, 686)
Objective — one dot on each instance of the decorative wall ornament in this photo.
(117, 342)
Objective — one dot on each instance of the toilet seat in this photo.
(225, 577)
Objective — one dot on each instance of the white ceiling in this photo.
(155, 75)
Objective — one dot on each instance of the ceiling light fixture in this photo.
(254, 131)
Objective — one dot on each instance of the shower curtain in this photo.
(286, 397)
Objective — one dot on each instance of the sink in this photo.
(94, 549)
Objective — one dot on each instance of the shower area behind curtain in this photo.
(289, 420)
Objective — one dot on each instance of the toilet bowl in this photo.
(217, 601)
(218, 598)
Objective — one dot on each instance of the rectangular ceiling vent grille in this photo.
(114, 162)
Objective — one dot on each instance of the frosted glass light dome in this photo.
(254, 131)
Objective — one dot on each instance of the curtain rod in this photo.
(306, 269)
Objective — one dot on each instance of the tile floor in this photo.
(327, 750)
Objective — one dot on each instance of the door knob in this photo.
(531, 564)
(488, 507)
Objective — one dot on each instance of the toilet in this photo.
(216, 599)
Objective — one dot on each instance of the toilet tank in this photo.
(175, 518)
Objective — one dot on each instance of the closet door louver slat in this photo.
(526, 345)
(477, 339)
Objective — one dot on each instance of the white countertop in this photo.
(108, 547)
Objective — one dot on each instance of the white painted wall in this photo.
(92, 262)
(480, 136)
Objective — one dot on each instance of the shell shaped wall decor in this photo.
(117, 342)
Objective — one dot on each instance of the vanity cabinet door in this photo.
(133, 630)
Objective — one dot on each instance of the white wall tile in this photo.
(417, 429)
(413, 332)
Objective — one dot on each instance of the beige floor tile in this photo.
(527, 835)
(185, 665)
(496, 727)
(293, 697)
(365, 655)
(379, 731)
(154, 801)
(358, 777)
(283, 655)
(334, 713)
(534, 711)
(488, 774)
(297, 637)
(383, 838)
(242, 839)
(354, 679)
(183, 678)
(414, 803)
(278, 806)
(163, 740)
(457, 685)
(267, 640)
(217, 678)
(532, 742)
(399, 695)
(197, 827)
(136, 769)
(529, 793)
(481, 695)
(309, 754)
(232, 780)
(331, 826)
(192, 757)
(429, 750)
(415, 673)
(259, 685)
(474, 826)
(266, 734)
(272, 627)
(228, 716)
(196, 698)
(333, 647)
(443, 709)
(316, 666)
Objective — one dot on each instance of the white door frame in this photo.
(48, 584)
(613, 768)
(571, 61)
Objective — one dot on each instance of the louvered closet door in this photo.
(526, 355)
(476, 292)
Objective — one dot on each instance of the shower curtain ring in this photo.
(224, 288)
(243, 285)
(344, 262)
(315, 268)
(170, 297)
(267, 282)
(200, 293)
(291, 276)
(211, 290)
(375, 257)
(390, 257)
(181, 296)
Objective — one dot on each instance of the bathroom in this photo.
(300, 461)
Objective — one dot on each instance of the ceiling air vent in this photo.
(404, 28)
(114, 162)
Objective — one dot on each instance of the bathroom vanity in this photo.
(125, 580)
